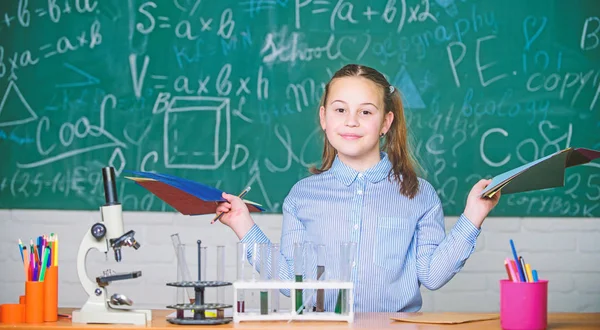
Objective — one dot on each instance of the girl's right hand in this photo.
(235, 215)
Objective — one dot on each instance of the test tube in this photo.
(182, 297)
(220, 278)
(299, 272)
(252, 302)
(255, 265)
(182, 267)
(242, 263)
(347, 255)
(264, 276)
(310, 274)
(320, 276)
(275, 252)
(202, 261)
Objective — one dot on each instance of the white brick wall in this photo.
(564, 250)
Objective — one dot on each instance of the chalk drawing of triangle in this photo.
(410, 94)
(23, 116)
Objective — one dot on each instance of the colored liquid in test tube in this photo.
(264, 250)
(242, 264)
(275, 252)
(321, 276)
(298, 273)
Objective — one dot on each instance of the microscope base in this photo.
(113, 316)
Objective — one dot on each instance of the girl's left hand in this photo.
(478, 207)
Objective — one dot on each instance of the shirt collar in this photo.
(347, 175)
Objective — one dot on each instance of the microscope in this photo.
(105, 235)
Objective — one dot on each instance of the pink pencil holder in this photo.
(523, 305)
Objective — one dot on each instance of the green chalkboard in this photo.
(226, 93)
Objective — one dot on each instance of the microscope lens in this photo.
(110, 186)
(118, 255)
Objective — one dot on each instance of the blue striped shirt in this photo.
(401, 242)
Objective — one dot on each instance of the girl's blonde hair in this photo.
(396, 143)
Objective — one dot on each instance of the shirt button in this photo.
(353, 264)
(360, 175)
(359, 192)
(356, 227)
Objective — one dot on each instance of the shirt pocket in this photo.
(392, 240)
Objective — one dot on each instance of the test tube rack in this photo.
(199, 306)
(293, 315)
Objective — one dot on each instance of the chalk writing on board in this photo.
(589, 34)
(227, 93)
(26, 113)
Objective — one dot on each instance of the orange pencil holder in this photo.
(12, 313)
(51, 294)
(34, 302)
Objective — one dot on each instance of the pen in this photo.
(26, 265)
(513, 268)
(21, 250)
(54, 249)
(508, 270)
(518, 264)
(527, 279)
(529, 274)
(241, 195)
(44, 266)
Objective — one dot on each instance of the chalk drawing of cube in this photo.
(197, 132)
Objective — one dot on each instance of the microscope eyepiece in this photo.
(110, 186)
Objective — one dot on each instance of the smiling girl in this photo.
(366, 191)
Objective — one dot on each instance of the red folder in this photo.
(186, 196)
